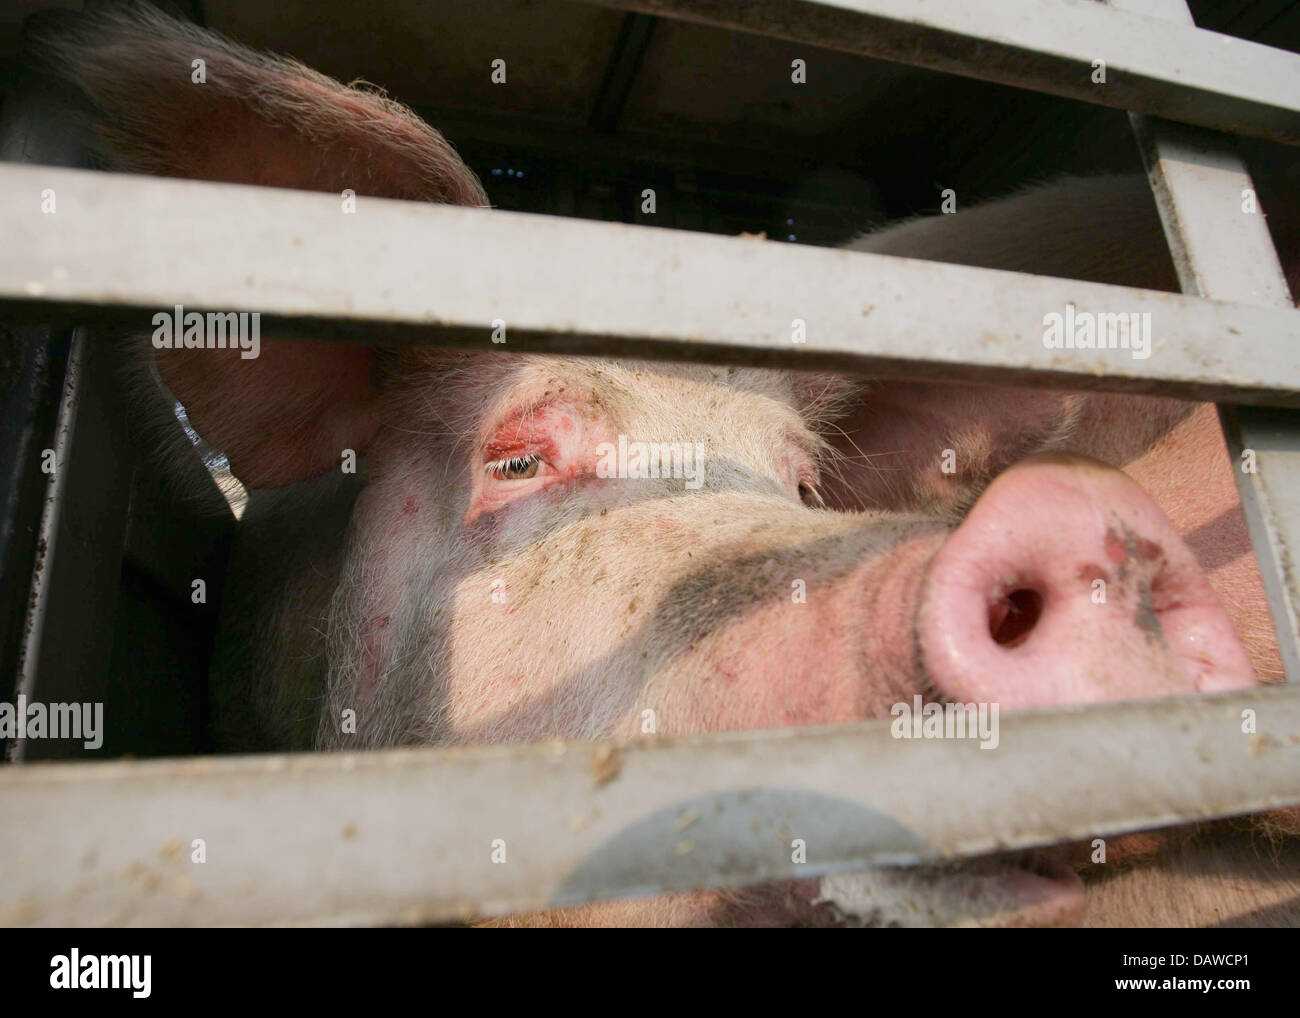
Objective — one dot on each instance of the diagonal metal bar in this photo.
(122, 245)
(1154, 67)
(634, 36)
(1221, 249)
(411, 835)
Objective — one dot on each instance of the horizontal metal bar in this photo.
(411, 834)
(1151, 66)
(397, 271)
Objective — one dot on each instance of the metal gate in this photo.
(407, 834)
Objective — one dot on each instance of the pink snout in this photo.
(1067, 584)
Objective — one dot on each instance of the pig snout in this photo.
(1067, 584)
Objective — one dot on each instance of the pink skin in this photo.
(843, 657)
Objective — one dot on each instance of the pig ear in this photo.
(931, 447)
(175, 100)
(285, 416)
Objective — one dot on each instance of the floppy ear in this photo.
(933, 446)
(175, 100)
(246, 117)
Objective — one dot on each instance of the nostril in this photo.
(1012, 616)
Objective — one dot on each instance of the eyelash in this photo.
(513, 464)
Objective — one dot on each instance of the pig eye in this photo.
(809, 494)
(517, 468)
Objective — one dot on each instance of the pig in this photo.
(791, 579)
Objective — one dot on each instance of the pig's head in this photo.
(510, 571)
(501, 568)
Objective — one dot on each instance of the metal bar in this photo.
(1174, 71)
(36, 358)
(29, 402)
(123, 244)
(1270, 498)
(45, 531)
(1221, 249)
(620, 72)
(68, 637)
(409, 835)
